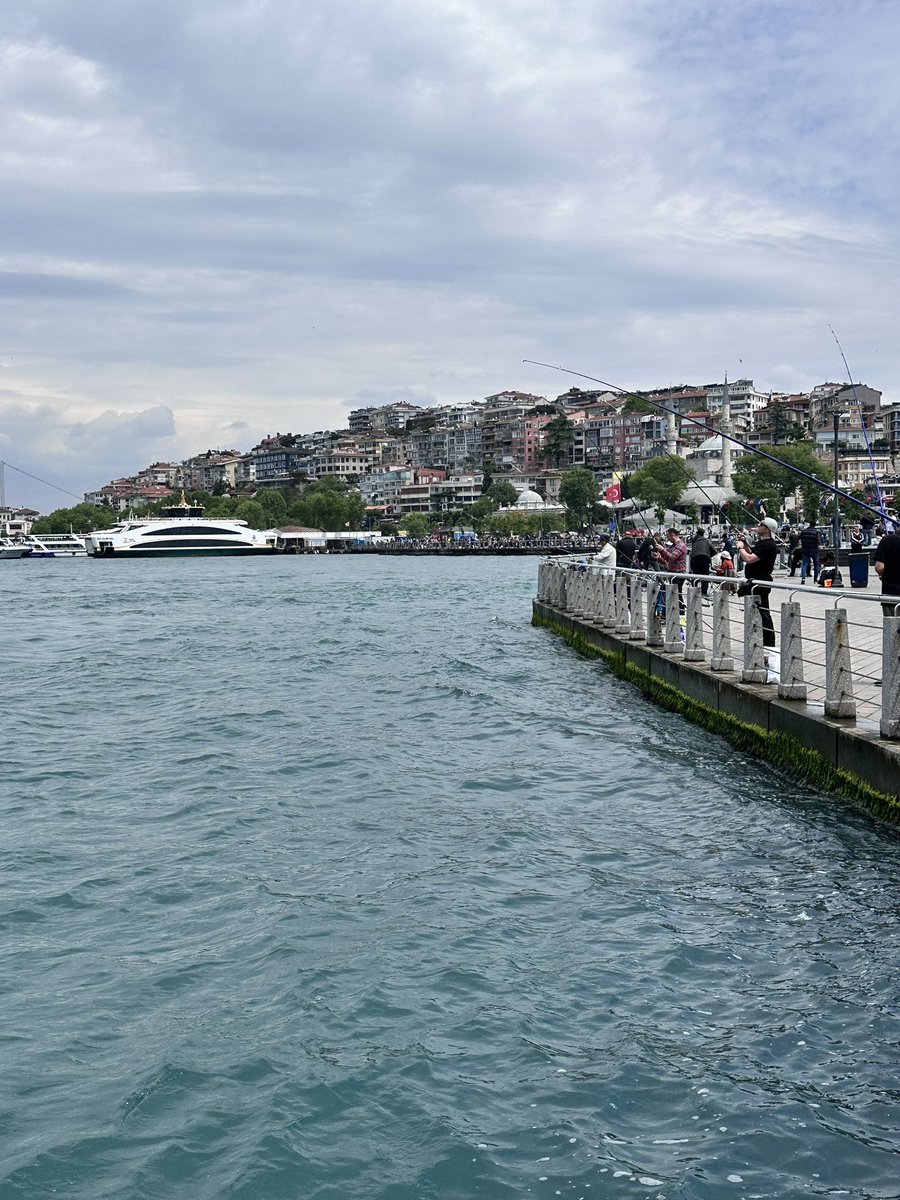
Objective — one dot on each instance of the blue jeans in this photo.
(806, 561)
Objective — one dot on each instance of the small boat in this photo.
(13, 548)
(56, 545)
(181, 530)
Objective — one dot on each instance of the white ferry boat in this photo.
(56, 545)
(13, 548)
(181, 530)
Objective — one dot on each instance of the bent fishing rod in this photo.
(829, 487)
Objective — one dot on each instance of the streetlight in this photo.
(836, 519)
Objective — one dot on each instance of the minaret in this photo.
(671, 434)
(725, 427)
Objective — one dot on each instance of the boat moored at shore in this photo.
(55, 545)
(13, 548)
(181, 530)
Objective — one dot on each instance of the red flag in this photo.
(613, 494)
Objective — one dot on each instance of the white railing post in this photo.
(623, 617)
(890, 678)
(673, 643)
(607, 601)
(578, 597)
(654, 621)
(754, 653)
(839, 701)
(694, 650)
(563, 588)
(721, 652)
(637, 608)
(791, 685)
(592, 601)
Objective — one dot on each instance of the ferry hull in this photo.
(193, 552)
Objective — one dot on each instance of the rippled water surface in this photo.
(330, 877)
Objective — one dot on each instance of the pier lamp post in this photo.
(836, 520)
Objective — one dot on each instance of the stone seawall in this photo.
(795, 736)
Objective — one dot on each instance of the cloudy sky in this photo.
(222, 218)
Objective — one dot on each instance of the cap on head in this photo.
(604, 537)
(770, 523)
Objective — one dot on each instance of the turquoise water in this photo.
(330, 877)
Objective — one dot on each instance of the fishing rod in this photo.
(830, 487)
(862, 422)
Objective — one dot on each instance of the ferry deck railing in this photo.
(835, 649)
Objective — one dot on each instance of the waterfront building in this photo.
(15, 522)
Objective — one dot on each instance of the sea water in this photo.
(331, 877)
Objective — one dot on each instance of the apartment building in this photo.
(344, 460)
(387, 416)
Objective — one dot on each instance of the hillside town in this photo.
(407, 459)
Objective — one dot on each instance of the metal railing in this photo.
(829, 647)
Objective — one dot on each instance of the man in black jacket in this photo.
(758, 566)
(809, 547)
(887, 567)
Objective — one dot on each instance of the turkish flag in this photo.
(613, 494)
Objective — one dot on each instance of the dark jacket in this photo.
(626, 548)
(809, 540)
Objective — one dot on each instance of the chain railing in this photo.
(829, 647)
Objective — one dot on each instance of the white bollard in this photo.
(890, 679)
(791, 686)
(607, 601)
(721, 652)
(694, 650)
(623, 617)
(637, 608)
(839, 701)
(654, 621)
(754, 652)
(673, 643)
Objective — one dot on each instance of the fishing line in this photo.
(862, 422)
(712, 429)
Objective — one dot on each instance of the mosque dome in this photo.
(530, 499)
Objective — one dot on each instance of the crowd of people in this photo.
(752, 554)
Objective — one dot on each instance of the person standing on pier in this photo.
(626, 549)
(887, 568)
(674, 553)
(605, 558)
(809, 546)
(758, 565)
(701, 557)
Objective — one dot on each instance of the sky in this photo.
(226, 218)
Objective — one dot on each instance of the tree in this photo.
(253, 513)
(782, 428)
(502, 493)
(558, 438)
(661, 482)
(273, 503)
(416, 525)
(759, 478)
(579, 492)
(524, 524)
(636, 404)
(82, 518)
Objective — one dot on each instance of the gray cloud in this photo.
(271, 212)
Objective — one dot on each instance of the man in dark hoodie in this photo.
(701, 557)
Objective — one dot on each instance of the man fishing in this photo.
(758, 565)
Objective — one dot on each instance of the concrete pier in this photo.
(831, 721)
